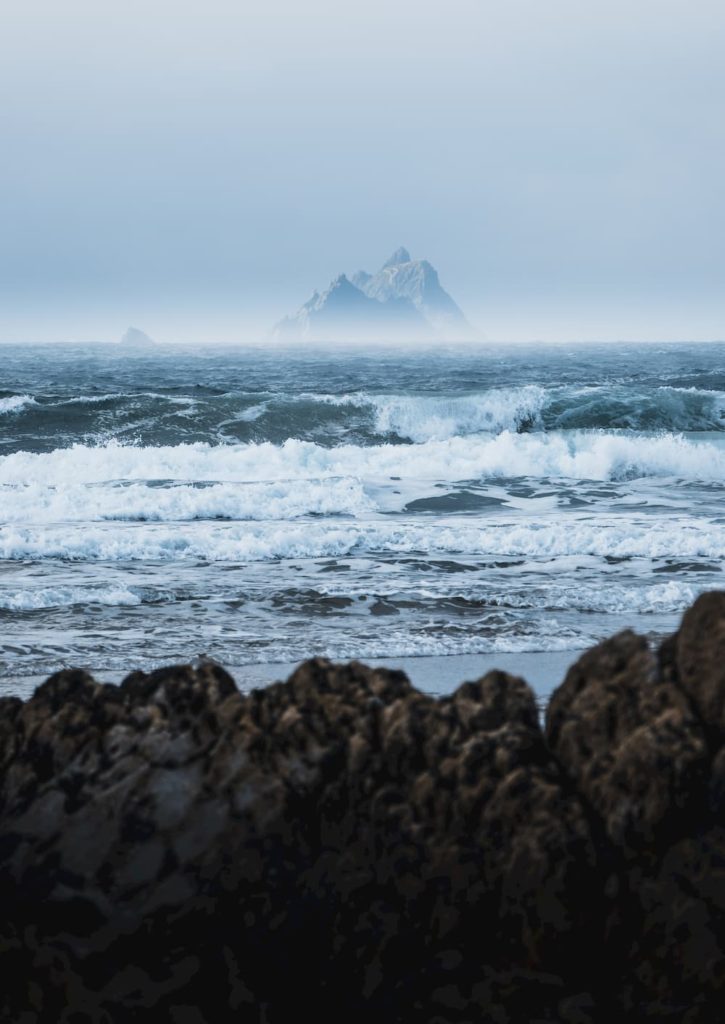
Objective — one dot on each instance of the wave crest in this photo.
(153, 417)
(15, 403)
(577, 456)
(260, 542)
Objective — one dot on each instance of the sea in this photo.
(260, 506)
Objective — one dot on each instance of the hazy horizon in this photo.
(197, 171)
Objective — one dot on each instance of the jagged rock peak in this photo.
(403, 300)
(400, 255)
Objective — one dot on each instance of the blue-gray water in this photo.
(265, 506)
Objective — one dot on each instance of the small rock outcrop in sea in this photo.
(171, 850)
(404, 300)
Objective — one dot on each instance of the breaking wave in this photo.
(421, 418)
(262, 506)
(367, 418)
(179, 502)
(353, 601)
(44, 598)
(43, 477)
(14, 403)
(254, 542)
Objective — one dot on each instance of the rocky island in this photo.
(403, 301)
(344, 845)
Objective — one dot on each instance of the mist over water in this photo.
(267, 506)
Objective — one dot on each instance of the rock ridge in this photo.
(171, 849)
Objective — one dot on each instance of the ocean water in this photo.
(264, 506)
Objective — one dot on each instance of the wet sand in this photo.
(543, 670)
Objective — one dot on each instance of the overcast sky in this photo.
(198, 168)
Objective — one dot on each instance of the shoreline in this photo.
(440, 674)
(437, 675)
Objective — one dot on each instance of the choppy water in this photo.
(264, 506)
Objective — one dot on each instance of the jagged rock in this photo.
(416, 281)
(173, 850)
(700, 654)
(321, 820)
(629, 742)
(343, 312)
(635, 735)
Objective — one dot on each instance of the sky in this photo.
(198, 168)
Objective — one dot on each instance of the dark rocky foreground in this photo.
(341, 846)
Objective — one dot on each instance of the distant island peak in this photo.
(403, 300)
(135, 338)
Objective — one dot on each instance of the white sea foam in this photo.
(38, 503)
(252, 412)
(423, 418)
(717, 398)
(577, 455)
(407, 642)
(438, 417)
(614, 598)
(15, 403)
(609, 598)
(113, 396)
(38, 598)
(567, 536)
(508, 592)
